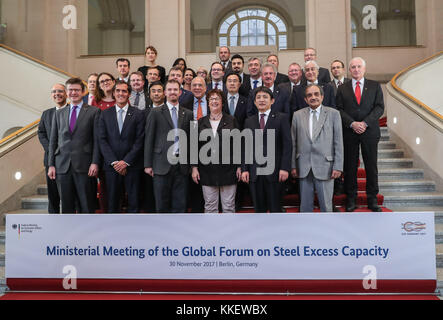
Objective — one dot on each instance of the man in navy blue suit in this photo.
(121, 134)
(186, 97)
(281, 97)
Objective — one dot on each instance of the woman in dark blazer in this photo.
(217, 180)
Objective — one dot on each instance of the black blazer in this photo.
(323, 76)
(281, 78)
(44, 131)
(128, 145)
(283, 145)
(332, 83)
(144, 70)
(219, 174)
(281, 103)
(240, 113)
(370, 110)
(186, 99)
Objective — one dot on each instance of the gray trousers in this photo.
(227, 196)
(324, 189)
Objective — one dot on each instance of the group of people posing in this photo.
(256, 133)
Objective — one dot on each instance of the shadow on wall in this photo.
(10, 131)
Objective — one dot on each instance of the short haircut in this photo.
(98, 93)
(216, 62)
(229, 50)
(272, 55)
(269, 65)
(312, 62)
(358, 58)
(310, 48)
(152, 49)
(233, 74)
(172, 81)
(151, 67)
(177, 68)
(120, 82)
(265, 90)
(92, 74)
(156, 83)
(123, 60)
(76, 81)
(339, 61)
(255, 58)
(315, 85)
(138, 73)
(237, 56)
(295, 64)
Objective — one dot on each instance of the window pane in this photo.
(224, 27)
(231, 19)
(223, 41)
(262, 13)
(234, 36)
(271, 35)
(282, 42)
(243, 13)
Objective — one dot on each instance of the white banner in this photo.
(241, 246)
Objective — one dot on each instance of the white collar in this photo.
(125, 108)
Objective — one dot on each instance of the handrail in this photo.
(22, 54)
(410, 97)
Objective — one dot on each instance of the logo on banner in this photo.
(414, 228)
(26, 228)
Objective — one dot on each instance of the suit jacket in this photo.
(323, 76)
(44, 131)
(298, 100)
(228, 67)
(332, 83)
(370, 110)
(240, 113)
(281, 78)
(186, 99)
(78, 149)
(245, 87)
(324, 152)
(127, 146)
(279, 122)
(209, 87)
(158, 125)
(281, 103)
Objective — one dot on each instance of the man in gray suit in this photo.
(170, 180)
(317, 156)
(74, 154)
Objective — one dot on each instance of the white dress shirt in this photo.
(362, 83)
(125, 111)
(266, 115)
(259, 83)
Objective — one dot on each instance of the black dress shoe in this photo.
(373, 206)
(350, 205)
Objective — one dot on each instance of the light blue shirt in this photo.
(204, 105)
(79, 107)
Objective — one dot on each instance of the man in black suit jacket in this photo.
(217, 73)
(298, 100)
(58, 94)
(168, 161)
(280, 97)
(252, 80)
(266, 180)
(186, 97)
(294, 75)
(310, 54)
(224, 54)
(121, 137)
(236, 103)
(280, 78)
(338, 75)
(361, 105)
(74, 154)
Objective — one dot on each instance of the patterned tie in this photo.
(262, 121)
(339, 83)
(199, 110)
(231, 105)
(358, 92)
(216, 85)
(137, 100)
(314, 121)
(255, 84)
(175, 122)
(120, 120)
(73, 119)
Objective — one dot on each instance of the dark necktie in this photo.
(262, 121)
(73, 120)
(137, 100)
(255, 84)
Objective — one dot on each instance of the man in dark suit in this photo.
(280, 97)
(217, 73)
(168, 161)
(294, 75)
(74, 154)
(186, 98)
(310, 54)
(139, 97)
(338, 74)
(280, 78)
(92, 81)
(156, 95)
(123, 69)
(311, 72)
(225, 54)
(236, 103)
(253, 80)
(121, 137)
(266, 180)
(361, 105)
(58, 94)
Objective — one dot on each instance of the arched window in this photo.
(258, 26)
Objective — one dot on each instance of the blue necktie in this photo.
(255, 84)
(120, 120)
(175, 122)
(231, 105)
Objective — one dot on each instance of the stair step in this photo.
(392, 163)
(386, 145)
(389, 153)
(42, 189)
(35, 202)
(400, 174)
(407, 186)
(398, 200)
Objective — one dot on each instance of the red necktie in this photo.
(358, 92)
(262, 121)
(199, 110)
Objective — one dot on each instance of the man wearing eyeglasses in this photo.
(58, 95)
(310, 54)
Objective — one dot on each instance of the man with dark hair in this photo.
(280, 78)
(238, 64)
(176, 73)
(92, 80)
(266, 186)
(157, 94)
(338, 72)
(58, 95)
(123, 69)
(170, 179)
(224, 54)
(237, 104)
(361, 105)
(121, 136)
(217, 73)
(74, 154)
(152, 75)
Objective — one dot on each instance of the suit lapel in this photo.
(321, 122)
(84, 109)
(181, 117)
(128, 118)
(364, 91)
(167, 115)
(306, 121)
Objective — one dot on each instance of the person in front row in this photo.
(266, 180)
(218, 180)
(121, 137)
(170, 180)
(317, 150)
